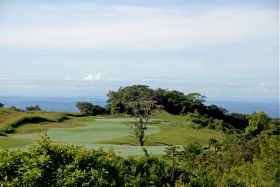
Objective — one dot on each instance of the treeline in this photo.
(248, 158)
(28, 108)
(174, 102)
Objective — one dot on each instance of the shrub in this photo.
(30, 108)
(47, 164)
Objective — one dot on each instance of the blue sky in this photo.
(225, 49)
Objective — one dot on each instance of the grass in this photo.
(43, 126)
(170, 135)
(88, 131)
(10, 119)
(9, 142)
(107, 132)
(172, 120)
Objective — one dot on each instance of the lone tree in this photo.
(171, 153)
(142, 112)
(1, 105)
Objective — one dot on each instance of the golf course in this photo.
(143, 137)
(109, 133)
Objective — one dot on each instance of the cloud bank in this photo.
(89, 26)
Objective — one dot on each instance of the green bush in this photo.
(47, 164)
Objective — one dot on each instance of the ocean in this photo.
(63, 104)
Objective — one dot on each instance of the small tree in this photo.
(142, 112)
(1, 105)
(171, 153)
(190, 152)
(30, 108)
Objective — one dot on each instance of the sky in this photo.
(222, 49)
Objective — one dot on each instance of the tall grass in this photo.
(11, 119)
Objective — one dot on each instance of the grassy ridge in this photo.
(11, 119)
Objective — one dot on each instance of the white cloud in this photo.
(231, 83)
(83, 26)
(69, 79)
(264, 84)
(94, 77)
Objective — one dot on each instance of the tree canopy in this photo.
(172, 101)
(90, 109)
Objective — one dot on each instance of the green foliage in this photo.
(170, 100)
(236, 121)
(117, 100)
(190, 153)
(171, 153)
(174, 102)
(239, 159)
(1, 105)
(31, 108)
(142, 114)
(47, 164)
(90, 109)
(257, 122)
(178, 103)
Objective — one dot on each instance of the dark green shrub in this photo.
(31, 108)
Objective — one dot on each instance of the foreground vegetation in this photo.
(205, 157)
(247, 158)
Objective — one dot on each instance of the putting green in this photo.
(97, 130)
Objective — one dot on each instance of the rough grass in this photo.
(9, 142)
(43, 126)
(173, 120)
(11, 119)
(170, 135)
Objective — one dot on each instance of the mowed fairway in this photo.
(110, 134)
(90, 132)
